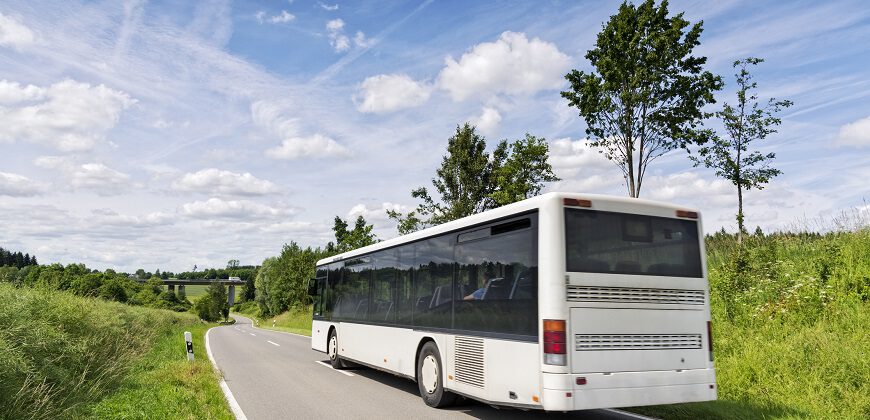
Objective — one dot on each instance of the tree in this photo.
(345, 240)
(646, 95)
(232, 264)
(470, 181)
(217, 293)
(744, 123)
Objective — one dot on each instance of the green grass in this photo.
(197, 290)
(64, 356)
(297, 321)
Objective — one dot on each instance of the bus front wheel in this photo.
(430, 377)
(332, 351)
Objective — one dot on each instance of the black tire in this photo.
(431, 386)
(332, 351)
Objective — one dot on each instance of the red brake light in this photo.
(687, 214)
(554, 336)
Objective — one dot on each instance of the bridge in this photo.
(231, 284)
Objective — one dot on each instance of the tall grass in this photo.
(60, 353)
(790, 325)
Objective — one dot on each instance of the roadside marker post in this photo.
(188, 337)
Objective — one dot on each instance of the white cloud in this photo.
(488, 121)
(14, 34)
(335, 30)
(283, 17)
(12, 93)
(71, 116)
(14, 185)
(511, 65)
(361, 41)
(390, 92)
(313, 146)
(100, 178)
(375, 214)
(689, 187)
(112, 218)
(331, 8)
(571, 157)
(232, 209)
(856, 133)
(213, 181)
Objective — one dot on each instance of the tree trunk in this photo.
(740, 227)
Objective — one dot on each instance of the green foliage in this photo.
(345, 240)
(744, 123)
(214, 304)
(647, 92)
(16, 259)
(61, 352)
(470, 181)
(282, 282)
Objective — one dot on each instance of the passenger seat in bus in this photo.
(496, 289)
(524, 285)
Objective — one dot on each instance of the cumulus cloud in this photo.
(856, 133)
(488, 121)
(213, 181)
(327, 7)
(335, 30)
(14, 34)
(216, 208)
(67, 115)
(89, 176)
(375, 214)
(390, 92)
(689, 187)
(361, 41)
(571, 157)
(511, 65)
(113, 218)
(316, 145)
(14, 185)
(282, 17)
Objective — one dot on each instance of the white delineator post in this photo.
(188, 337)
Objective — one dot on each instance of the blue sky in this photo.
(167, 134)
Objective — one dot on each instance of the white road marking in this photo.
(231, 400)
(272, 342)
(253, 334)
(630, 415)
(330, 366)
(266, 329)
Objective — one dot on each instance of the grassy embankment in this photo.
(297, 321)
(790, 327)
(63, 356)
(197, 290)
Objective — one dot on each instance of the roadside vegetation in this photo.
(65, 356)
(296, 320)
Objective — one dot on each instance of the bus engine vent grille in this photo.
(597, 342)
(468, 354)
(634, 295)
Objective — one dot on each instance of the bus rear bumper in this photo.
(562, 392)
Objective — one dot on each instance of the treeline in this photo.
(16, 259)
(108, 285)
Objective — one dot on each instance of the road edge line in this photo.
(629, 414)
(228, 395)
(266, 329)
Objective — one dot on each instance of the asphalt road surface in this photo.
(276, 375)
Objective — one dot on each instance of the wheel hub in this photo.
(429, 374)
(332, 348)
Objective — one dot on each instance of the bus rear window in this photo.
(620, 243)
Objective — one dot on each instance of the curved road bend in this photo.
(275, 375)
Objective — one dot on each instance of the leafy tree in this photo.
(745, 122)
(345, 240)
(204, 308)
(470, 181)
(218, 295)
(646, 94)
(232, 264)
(282, 282)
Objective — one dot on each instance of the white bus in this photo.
(559, 302)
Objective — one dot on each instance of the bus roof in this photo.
(497, 213)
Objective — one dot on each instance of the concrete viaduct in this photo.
(231, 284)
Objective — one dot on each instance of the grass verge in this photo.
(64, 356)
(296, 321)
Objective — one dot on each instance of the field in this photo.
(64, 356)
(194, 291)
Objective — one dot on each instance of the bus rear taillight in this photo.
(554, 342)
(710, 338)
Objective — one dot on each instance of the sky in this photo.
(163, 135)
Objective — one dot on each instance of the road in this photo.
(275, 375)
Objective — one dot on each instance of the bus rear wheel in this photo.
(332, 351)
(429, 377)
